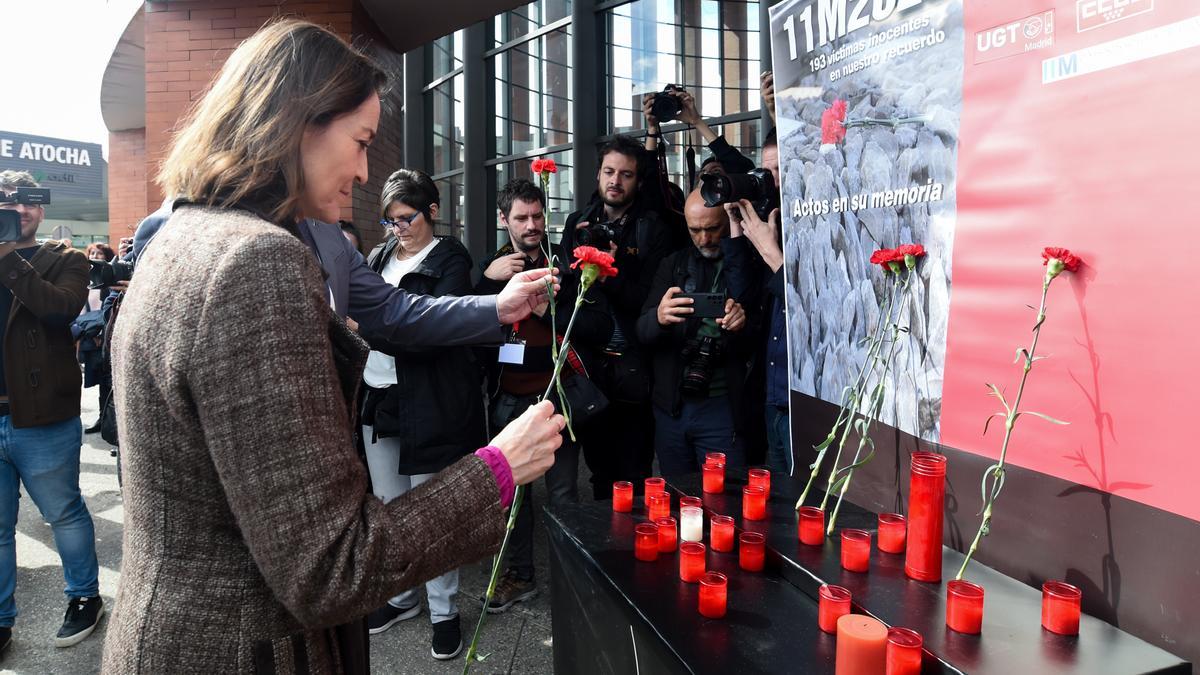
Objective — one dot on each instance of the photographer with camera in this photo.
(44, 287)
(617, 443)
(676, 103)
(696, 332)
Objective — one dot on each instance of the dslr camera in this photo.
(700, 356)
(10, 221)
(757, 186)
(598, 235)
(104, 274)
(666, 106)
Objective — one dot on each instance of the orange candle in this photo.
(720, 533)
(622, 496)
(760, 478)
(861, 645)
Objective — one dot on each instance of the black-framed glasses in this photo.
(400, 223)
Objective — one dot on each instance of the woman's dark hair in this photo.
(109, 254)
(410, 187)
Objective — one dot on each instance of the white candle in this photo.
(691, 523)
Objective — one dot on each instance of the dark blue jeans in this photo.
(703, 426)
(779, 441)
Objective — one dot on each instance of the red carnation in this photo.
(537, 165)
(589, 258)
(832, 129)
(543, 166)
(915, 250)
(1070, 261)
(883, 256)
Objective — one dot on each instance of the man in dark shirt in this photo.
(42, 289)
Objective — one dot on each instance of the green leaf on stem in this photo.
(989, 421)
(1043, 416)
(1000, 396)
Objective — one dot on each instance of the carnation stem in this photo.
(995, 472)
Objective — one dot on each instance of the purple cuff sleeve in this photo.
(500, 469)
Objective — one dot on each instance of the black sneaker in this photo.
(510, 590)
(447, 639)
(387, 616)
(83, 614)
(5, 638)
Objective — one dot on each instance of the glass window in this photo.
(524, 20)
(560, 196)
(533, 94)
(709, 47)
(446, 131)
(450, 211)
(445, 56)
(741, 135)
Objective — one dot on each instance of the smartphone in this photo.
(706, 305)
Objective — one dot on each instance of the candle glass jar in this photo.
(715, 458)
(903, 652)
(667, 534)
(645, 542)
(1060, 607)
(754, 502)
(760, 478)
(691, 561)
(832, 603)
(654, 486)
(691, 501)
(720, 533)
(856, 550)
(714, 478)
(892, 529)
(713, 588)
(964, 607)
(691, 523)
(752, 551)
(659, 505)
(926, 501)
(622, 496)
(812, 526)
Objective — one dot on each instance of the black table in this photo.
(615, 614)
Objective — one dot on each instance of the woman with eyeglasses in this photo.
(423, 408)
(252, 541)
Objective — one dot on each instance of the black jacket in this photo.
(592, 331)
(436, 408)
(666, 344)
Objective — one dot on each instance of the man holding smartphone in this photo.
(700, 348)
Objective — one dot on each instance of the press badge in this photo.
(513, 351)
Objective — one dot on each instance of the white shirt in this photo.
(380, 371)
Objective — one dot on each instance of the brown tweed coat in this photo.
(250, 531)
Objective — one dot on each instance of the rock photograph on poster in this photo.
(868, 100)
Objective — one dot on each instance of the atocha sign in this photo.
(68, 168)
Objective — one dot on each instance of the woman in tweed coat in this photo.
(252, 540)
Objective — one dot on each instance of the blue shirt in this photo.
(6, 304)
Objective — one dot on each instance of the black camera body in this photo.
(666, 106)
(701, 356)
(10, 221)
(756, 186)
(104, 274)
(597, 235)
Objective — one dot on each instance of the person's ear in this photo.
(433, 211)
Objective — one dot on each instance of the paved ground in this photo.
(515, 642)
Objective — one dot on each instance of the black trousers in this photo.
(618, 444)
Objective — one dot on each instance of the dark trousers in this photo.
(618, 444)
(702, 426)
(562, 483)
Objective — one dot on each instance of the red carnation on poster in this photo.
(1070, 261)
(832, 129)
(915, 250)
(590, 255)
(884, 256)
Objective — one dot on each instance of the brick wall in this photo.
(126, 182)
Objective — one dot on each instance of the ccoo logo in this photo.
(1091, 14)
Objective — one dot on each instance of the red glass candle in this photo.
(926, 500)
(856, 550)
(754, 503)
(622, 496)
(659, 506)
(752, 550)
(812, 526)
(667, 534)
(714, 478)
(964, 607)
(761, 478)
(720, 533)
(892, 528)
(903, 652)
(645, 542)
(691, 501)
(712, 594)
(833, 602)
(715, 458)
(654, 486)
(1060, 607)
(691, 561)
